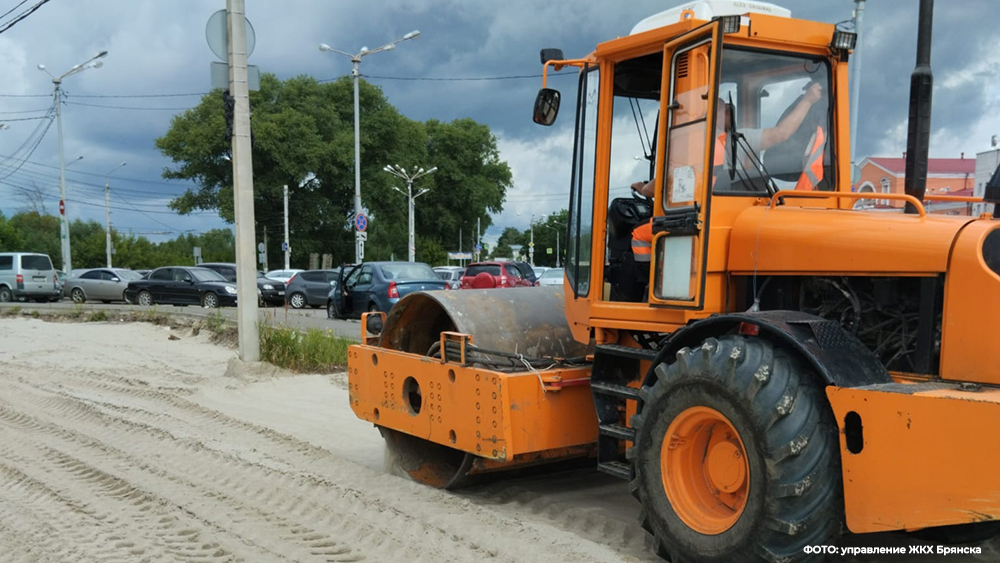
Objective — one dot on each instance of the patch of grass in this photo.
(215, 322)
(77, 311)
(35, 314)
(311, 351)
(153, 315)
(10, 311)
(98, 316)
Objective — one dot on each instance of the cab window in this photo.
(774, 116)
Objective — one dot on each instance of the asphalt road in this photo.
(297, 318)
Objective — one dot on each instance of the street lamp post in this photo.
(356, 73)
(57, 95)
(401, 172)
(107, 211)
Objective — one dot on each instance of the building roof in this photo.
(937, 166)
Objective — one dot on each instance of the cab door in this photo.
(688, 118)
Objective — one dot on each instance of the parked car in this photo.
(450, 274)
(377, 286)
(100, 284)
(270, 291)
(28, 275)
(182, 285)
(309, 288)
(282, 275)
(61, 281)
(488, 275)
(143, 273)
(552, 276)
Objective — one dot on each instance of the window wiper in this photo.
(755, 160)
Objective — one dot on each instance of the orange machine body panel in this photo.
(496, 415)
(927, 456)
(971, 310)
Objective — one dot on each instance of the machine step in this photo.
(620, 391)
(626, 352)
(617, 468)
(617, 431)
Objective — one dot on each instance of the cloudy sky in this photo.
(156, 48)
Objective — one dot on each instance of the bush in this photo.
(98, 316)
(311, 351)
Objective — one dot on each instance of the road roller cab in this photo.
(780, 363)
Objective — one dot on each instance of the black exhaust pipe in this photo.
(919, 132)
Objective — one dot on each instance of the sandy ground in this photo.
(118, 443)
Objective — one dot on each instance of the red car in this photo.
(489, 275)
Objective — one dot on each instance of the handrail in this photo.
(558, 66)
(954, 198)
(850, 195)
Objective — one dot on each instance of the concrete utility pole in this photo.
(246, 272)
(92, 62)
(478, 241)
(288, 248)
(356, 73)
(859, 25)
(401, 172)
(107, 212)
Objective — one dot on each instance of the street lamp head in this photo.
(324, 47)
(432, 170)
(389, 47)
(364, 50)
(96, 64)
(101, 54)
(41, 67)
(123, 163)
(411, 34)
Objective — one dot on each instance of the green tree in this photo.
(546, 232)
(510, 236)
(304, 138)
(10, 238)
(39, 233)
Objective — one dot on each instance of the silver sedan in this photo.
(99, 284)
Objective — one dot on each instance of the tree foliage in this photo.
(33, 232)
(303, 134)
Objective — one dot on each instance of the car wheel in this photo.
(6, 296)
(77, 295)
(125, 298)
(210, 300)
(297, 300)
(331, 310)
(145, 298)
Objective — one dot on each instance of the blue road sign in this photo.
(479, 248)
(284, 247)
(361, 222)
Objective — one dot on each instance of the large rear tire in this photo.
(736, 456)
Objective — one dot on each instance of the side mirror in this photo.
(551, 55)
(188, 280)
(546, 106)
(115, 279)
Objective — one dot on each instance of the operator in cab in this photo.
(758, 140)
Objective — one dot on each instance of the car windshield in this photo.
(407, 271)
(552, 274)
(491, 269)
(128, 274)
(206, 275)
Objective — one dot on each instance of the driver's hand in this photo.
(814, 93)
(638, 186)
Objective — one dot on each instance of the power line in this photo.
(125, 107)
(28, 118)
(23, 15)
(19, 4)
(24, 111)
(139, 180)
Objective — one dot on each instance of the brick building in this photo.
(945, 176)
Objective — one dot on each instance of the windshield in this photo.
(774, 117)
(407, 272)
(206, 275)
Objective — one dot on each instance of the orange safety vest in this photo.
(812, 163)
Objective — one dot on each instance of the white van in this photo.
(27, 275)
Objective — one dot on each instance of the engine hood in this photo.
(791, 239)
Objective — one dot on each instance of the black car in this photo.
(529, 273)
(309, 288)
(272, 292)
(182, 285)
(377, 286)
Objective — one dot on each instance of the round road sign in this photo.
(62, 207)
(361, 222)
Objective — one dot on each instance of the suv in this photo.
(271, 291)
(310, 288)
(529, 272)
(26, 275)
(488, 275)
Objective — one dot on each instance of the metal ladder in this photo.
(614, 367)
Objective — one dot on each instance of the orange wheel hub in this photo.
(704, 468)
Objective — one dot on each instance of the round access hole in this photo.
(451, 375)
(375, 359)
(411, 395)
